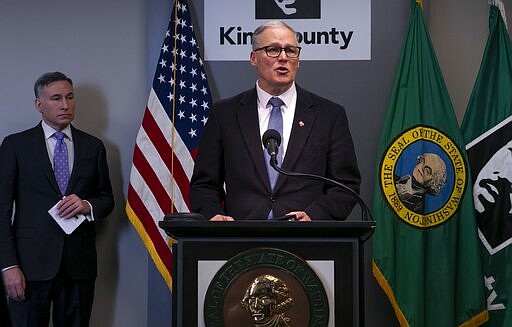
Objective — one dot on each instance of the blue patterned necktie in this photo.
(275, 122)
(60, 162)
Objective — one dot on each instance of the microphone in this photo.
(272, 139)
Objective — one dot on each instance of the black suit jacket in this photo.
(231, 152)
(34, 241)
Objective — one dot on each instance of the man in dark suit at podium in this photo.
(52, 165)
(231, 179)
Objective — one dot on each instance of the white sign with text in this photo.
(327, 29)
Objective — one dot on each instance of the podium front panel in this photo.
(340, 258)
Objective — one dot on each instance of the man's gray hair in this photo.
(270, 24)
(48, 78)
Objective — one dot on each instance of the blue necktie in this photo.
(60, 162)
(275, 122)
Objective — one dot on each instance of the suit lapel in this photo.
(303, 122)
(250, 130)
(40, 153)
(78, 154)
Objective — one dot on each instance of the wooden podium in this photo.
(321, 261)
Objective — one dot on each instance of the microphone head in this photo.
(271, 134)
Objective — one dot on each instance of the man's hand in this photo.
(300, 215)
(222, 218)
(71, 205)
(14, 282)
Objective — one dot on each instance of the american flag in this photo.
(163, 160)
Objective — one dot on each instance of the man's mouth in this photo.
(258, 316)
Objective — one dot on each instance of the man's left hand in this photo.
(300, 215)
(71, 205)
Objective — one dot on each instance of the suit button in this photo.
(272, 198)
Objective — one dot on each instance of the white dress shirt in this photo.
(289, 98)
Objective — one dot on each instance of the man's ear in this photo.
(252, 58)
(37, 104)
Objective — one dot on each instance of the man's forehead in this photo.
(58, 87)
(277, 32)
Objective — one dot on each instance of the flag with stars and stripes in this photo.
(165, 150)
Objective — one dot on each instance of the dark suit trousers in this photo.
(71, 299)
(4, 309)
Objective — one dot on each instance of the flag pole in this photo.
(175, 7)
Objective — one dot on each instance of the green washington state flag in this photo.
(425, 247)
(487, 128)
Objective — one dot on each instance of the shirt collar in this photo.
(49, 131)
(287, 96)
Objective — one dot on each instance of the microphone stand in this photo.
(366, 214)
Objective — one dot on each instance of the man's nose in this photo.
(256, 303)
(282, 55)
(65, 103)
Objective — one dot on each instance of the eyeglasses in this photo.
(274, 52)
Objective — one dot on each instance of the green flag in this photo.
(487, 127)
(425, 247)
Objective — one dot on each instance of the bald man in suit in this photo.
(230, 179)
(43, 266)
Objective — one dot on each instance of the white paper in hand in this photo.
(67, 225)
